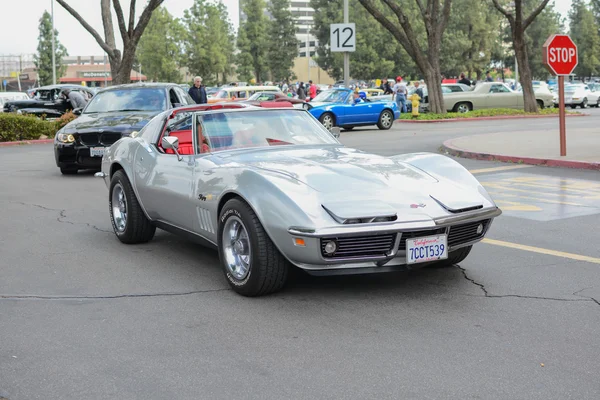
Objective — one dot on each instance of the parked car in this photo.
(582, 95)
(337, 107)
(11, 96)
(233, 93)
(113, 113)
(47, 101)
(259, 97)
(492, 95)
(271, 189)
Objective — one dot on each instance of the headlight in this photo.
(65, 138)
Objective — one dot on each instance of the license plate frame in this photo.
(97, 151)
(418, 249)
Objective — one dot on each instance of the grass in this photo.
(491, 112)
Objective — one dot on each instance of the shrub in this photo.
(14, 127)
(490, 112)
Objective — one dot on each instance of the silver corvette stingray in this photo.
(271, 188)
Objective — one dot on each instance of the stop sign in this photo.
(560, 55)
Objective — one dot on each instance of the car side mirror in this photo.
(336, 131)
(77, 111)
(171, 142)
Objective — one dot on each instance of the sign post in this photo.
(342, 38)
(560, 58)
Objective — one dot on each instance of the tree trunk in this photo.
(434, 77)
(122, 73)
(524, 72)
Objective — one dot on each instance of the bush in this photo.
(490, 112)
(14, 127)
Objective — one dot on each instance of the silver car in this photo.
(271, 189)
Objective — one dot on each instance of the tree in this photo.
(252, 39)
(209, 40)
(43, 58)
(434, 15)
(518, 24)
(159, 50)
(584, 33)
(121, 62)
(282, 41)
(546, 24)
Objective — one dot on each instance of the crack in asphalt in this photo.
(117, 296)
(62, 216)
(497, 296)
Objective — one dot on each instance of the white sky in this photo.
(20, 22)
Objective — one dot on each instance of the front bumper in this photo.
(75, 155)
(310, 257)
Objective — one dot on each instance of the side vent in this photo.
(204, 220)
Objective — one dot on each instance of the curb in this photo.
(24, 142)
(486, 118)
(547, 162)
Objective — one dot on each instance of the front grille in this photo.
(89, 139)
(464, 233)
(110, 138)
(360, 246)
(417, 234)
(93, 139)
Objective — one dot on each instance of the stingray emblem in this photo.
(417, 205)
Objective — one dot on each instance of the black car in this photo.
(48, 101)
(113, 113)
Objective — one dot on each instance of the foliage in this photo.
(159, 50)
(282, 41)
(584, 33)
(64, 120)
(208, 41)
(491, 112)
(252, 40)
(14, 127)
(43, 57)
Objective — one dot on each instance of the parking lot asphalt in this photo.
(86, 317)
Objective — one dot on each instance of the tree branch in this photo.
(109, 33)
(445, 16)
(131, 17)
(144, 19)
(92, 31)
(421, 8)
(121, 21)
(502, 9)
(534, 14)
(414, 49)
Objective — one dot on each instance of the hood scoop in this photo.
(345, 212)
(456, 206)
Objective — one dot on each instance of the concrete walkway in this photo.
(532, 147)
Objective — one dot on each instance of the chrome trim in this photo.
(100, 175)
(162, 221)
(470, 215)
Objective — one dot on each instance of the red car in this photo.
(259, 97)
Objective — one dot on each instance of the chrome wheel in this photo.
(584, 103)
(386, 119)
(327, 121)
(463, 108)
(236, 248)
(119, 207)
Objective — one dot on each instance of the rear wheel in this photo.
(386, 119)
(126, 215)
(327, 120)
(584, 103)
(462, 107)
(253, 266)
(540, 104)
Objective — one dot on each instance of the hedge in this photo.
(14, 127)
(490, 112)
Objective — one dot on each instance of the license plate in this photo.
(97, 151)
(430, 248)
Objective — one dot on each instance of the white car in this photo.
(580, 94)
(11, 96)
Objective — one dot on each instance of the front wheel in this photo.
(463, 107)
(126, 215)
(584, 103)
(253, 266)
(327, 121)
(386, 119)
(540, 104)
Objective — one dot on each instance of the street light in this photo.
(53, 51)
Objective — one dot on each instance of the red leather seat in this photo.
(186, 147)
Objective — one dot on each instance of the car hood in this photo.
(350, 181)
(113, 121)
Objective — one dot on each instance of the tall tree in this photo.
(282, 41)
(252, 39)
(43, 58)
(434, 15)
(584, 33)
(209, 41)
(518, 24)
(546, 24)
(159, 50)
(121, 62)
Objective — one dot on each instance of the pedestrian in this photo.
(312, 90)
(463, 79)
(198, 91)
(488, 77)
(77, 100)
(301, 91)
(400, 91)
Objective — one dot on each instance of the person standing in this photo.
(198, 91)
(77, 100)
(464, 80)
(400, 91)
(301, 91)
(312, 90)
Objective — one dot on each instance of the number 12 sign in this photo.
(342, 37)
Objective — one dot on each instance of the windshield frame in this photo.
(105, 93)
(321, 96)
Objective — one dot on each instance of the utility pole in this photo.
(53, 49)
(346, 54)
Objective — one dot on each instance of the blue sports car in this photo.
(341, 107)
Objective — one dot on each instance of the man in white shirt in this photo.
(400, 93)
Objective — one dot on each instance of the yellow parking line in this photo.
(537, 199)
(540, 250)
(507, 168)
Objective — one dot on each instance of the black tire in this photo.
(323, 120)
(454, 258)
(347, 128)
(138, 228)
(268, 270)
(584, 103)
(386, 120)
(540, 104)
(68, 170)
(457, 106)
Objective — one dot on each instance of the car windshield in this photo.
(261, 128)
(262, 96)
(332, 96)
(572, 88)
(140, 99)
